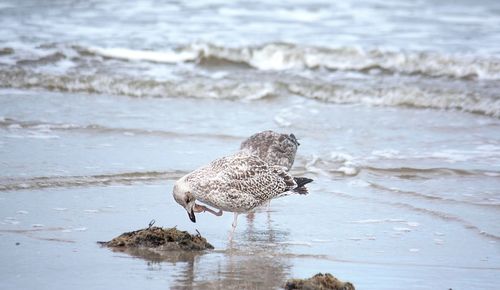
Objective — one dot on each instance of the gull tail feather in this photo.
(301, 182)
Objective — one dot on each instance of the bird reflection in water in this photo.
(257, 261)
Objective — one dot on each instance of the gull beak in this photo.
(190, 211)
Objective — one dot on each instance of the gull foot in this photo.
(201, 208)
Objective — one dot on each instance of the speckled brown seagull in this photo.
(272, 147)
(236, 183)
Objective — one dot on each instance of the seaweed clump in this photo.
(318, 281)
(160, 239)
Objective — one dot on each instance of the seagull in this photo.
(237, 183)
(272, 147)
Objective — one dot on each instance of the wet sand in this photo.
(57, 244)
(378, 218)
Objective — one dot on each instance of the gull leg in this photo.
(235, 222)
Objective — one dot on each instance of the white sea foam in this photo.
(45, 128)
(313, 165)
(438, 241)
(348, 170)
(456, 155)
(494, 174)
(280, 120)
(14, 126)
(91, 211)
(300, 78)
(146, 55)
(321, 241)
(402, 229)
(359, 183)
(296, 243)
(387, 153)
(342, 162)
(60, 208)
(374, 221)
(34, 135)
(341, 156)
(368, 221)
(495, 149)
(282, 56)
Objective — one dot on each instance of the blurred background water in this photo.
(103, 104)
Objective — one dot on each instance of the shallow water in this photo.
(104, 105)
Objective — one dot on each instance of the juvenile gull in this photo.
(272, 147)
(236, 183)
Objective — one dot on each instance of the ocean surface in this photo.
(396, 104)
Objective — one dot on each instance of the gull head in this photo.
(185, 198)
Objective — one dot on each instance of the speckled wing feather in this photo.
(274, 148)
(239, 182)
(252, 175)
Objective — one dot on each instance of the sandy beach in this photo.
(396, 107)
(379, 227)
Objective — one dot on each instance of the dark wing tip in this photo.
(301, 181)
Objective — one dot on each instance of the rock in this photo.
(160, 239)
(318, 281)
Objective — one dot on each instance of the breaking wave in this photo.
(135, 87)
(283, 56)
(384, 78)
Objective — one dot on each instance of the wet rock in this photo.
(159, 239)
(318, 281)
